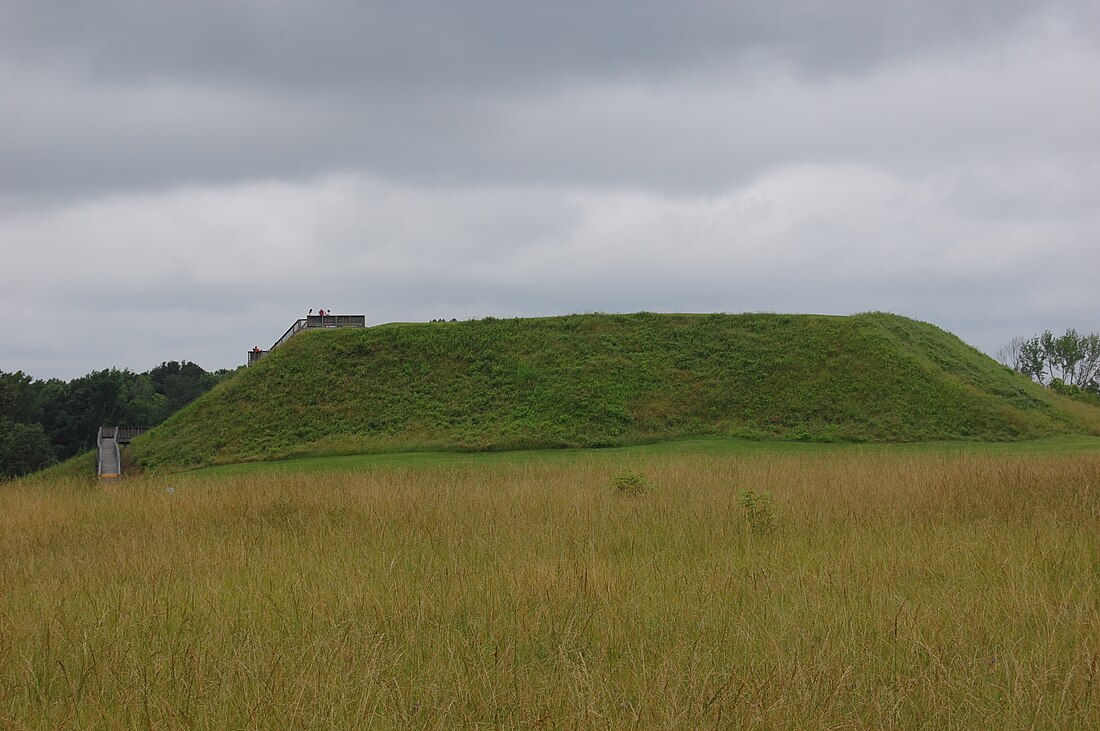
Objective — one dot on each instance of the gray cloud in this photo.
(204, 172)
(243, 261)
(718, 127)
(432, 43)
(131, 94)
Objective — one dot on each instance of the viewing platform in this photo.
(307, 323)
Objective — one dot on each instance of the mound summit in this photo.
(602, 380)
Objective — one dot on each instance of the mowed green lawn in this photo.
(745, 585)
(625, 456)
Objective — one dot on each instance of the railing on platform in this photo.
(297, 327)
(307, 323)
(123, 434)
(99, 452)
(336, 321)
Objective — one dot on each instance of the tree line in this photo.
(45, 421)
(1068, 363)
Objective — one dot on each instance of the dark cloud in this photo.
(206, 171)
(130, 95)
(479, 43)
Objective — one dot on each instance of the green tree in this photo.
(1032, 360)
(16, 396)
(24, 448)
(181, 383)
(142, 404)
(68, 415)
(76, 413)
(1070, 360)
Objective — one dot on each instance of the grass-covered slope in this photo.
(596, 380)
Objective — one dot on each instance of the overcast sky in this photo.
(181, 180)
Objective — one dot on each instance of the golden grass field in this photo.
(887, 590)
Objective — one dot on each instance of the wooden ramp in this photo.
(110, 461)
(108, 441)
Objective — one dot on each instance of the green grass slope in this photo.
(601, 380)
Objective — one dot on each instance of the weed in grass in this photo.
(630, 483)
(758, 509)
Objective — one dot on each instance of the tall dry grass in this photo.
(889, 592)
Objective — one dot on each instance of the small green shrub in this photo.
(1074, 391)
(758, 510)
(630, 483)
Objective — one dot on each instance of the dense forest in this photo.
(44, 421)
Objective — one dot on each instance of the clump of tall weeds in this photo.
(758, 510)
(630, 483)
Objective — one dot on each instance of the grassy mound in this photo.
(601, 380)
